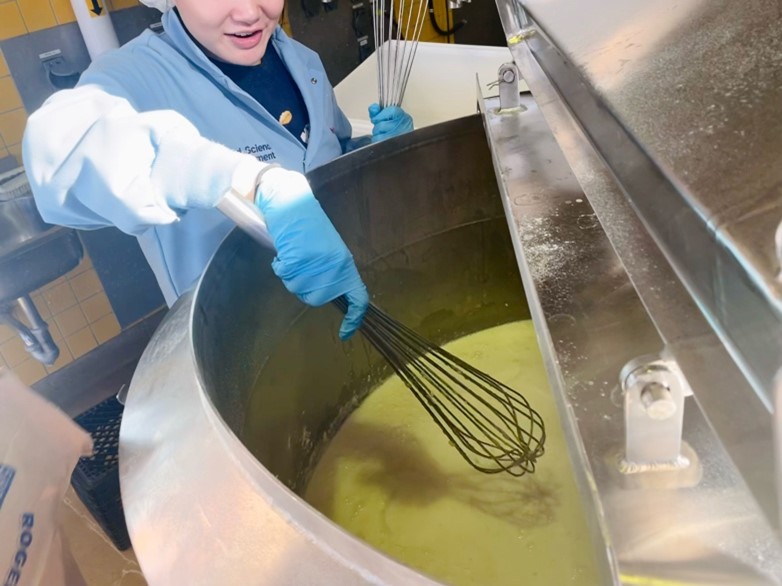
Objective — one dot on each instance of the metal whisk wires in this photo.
(492, 426)
(397, 27)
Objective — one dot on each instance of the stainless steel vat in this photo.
(435, 252)
(616, 205)
(241, 386)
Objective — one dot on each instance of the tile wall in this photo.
(12, 113)
(20, 17)
(79, 316)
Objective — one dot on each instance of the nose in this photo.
(246, 11)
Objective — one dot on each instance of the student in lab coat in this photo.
(159, 130)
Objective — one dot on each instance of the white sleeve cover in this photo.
(94, 161)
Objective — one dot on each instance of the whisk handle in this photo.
(249, 219)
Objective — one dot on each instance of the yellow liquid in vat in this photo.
(390, 478)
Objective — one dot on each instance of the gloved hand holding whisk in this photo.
(312, 260)
(389, 121)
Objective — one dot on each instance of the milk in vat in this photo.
(390, 477)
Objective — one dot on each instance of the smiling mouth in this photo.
(245, 35)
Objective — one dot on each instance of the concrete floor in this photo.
(100, 562)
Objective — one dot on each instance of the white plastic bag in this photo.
(39, 448)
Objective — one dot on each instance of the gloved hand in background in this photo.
(312, 260)
(389, 121)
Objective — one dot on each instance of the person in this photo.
(158, 131)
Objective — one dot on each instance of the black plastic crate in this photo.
(96, 479)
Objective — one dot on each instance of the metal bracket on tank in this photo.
(654, 391)
(508, 80)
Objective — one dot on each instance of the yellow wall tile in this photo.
(12, 126)
(84, 265)
(86, 284)
(6, 333)
(63, 359)
(81, 342)
(63, 11)
(427, 33)
(41, 305)
(71, 320)
(285, 21)
(30, 371)
(9, 97)
(37, 14)
(75, 326)
(13, 351)
(96, 307)
(54, 330)
(120, 4)
(3, 66)
(60, 298)
(105, 328)
(11, 23)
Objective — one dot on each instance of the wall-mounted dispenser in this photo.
(60, 74)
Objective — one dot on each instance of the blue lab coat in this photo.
(148, 125)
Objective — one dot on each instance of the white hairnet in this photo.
(161, 5)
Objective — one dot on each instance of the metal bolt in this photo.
(313, 81)
(658, 401)
(508, 76)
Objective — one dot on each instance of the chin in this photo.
(247, 59)
(238, 57)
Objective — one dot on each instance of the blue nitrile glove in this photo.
(312, 260)
(389, 121)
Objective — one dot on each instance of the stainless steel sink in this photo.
(38, 261)
(32, 254)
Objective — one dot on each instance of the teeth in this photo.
(244, 34)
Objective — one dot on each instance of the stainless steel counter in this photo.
(683, 102)
(696, 523)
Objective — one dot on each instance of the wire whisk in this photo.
(397, 29)
(493, 427)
